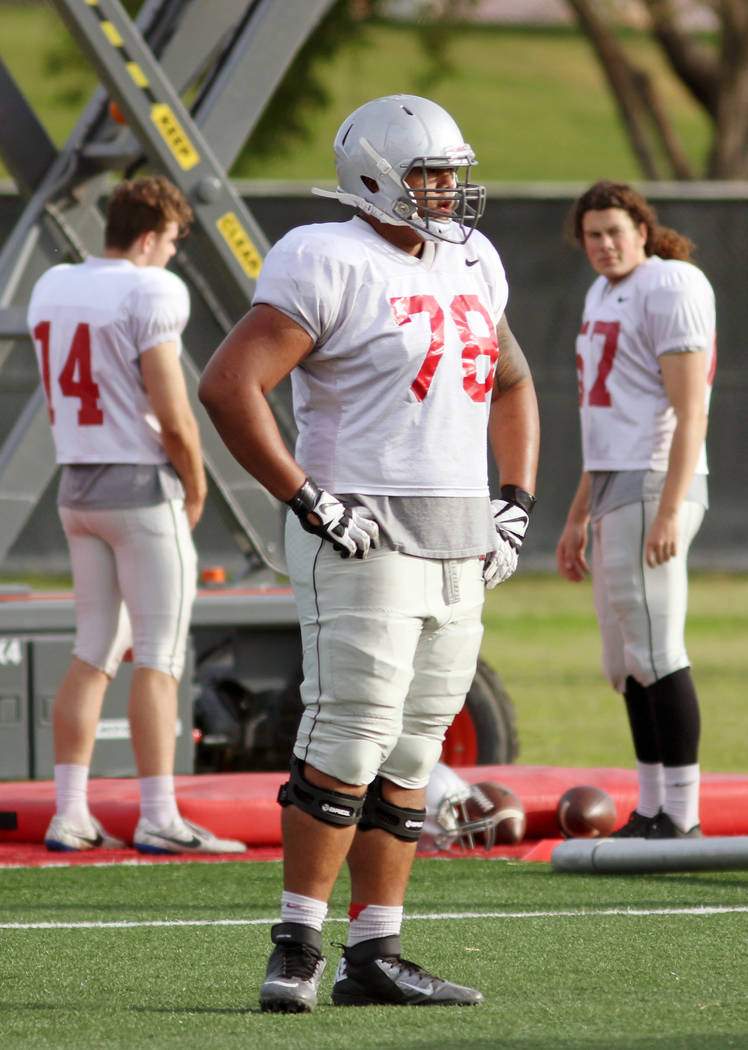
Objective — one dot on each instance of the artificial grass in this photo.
(576, 962)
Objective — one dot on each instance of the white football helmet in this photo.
(384, 141)
(448, 824)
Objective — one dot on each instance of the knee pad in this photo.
(350, 760)
(403, 823)
(331, 807)
(413, 758)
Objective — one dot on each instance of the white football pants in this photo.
(390, 648)
(135, 579)
(641, 611)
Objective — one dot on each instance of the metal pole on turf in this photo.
(628, 856)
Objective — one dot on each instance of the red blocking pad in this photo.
(243, 805)
(723, 796)
(233, 805)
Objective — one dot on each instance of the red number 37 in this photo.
(474, 344)
(75, 379)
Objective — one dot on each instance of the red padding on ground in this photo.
(243, 805)
(34, 855)
(723, 799)
(233, 805)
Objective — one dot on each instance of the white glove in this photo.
(499, 565)
(510, 521)
(350, 531)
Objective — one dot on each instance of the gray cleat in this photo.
(294, 971)
(374, 972)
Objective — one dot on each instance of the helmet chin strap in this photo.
(384, 170)
(359, 202)
(371, 209)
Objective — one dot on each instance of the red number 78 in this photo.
(474, 344)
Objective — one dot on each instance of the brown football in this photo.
(507, 814)
(586, 812)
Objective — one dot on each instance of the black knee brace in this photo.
(331, 807)
(406, 824)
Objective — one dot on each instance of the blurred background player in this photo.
(107, 336)
(388, 326)
(645, 358)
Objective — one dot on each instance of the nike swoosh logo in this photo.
(95, 841)
(415, 988)
(192, 843)
(471, 262)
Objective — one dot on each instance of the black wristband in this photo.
(523, 499)
(304, 501)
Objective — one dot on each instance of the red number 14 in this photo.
(75, 379)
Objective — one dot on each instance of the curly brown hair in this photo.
(661, 240)
(138, 206)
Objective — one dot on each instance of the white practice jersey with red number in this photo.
(394, 397)
(90, 322)
(664, 305)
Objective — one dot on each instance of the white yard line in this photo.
(567, 913)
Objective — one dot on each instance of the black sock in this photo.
(676, 711)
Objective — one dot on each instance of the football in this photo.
(586, 812)
(507, 813)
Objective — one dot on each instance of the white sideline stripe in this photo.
(568, 914)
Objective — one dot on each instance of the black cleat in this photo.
(636, 827)
(294, 971)
(374, 973)
(662, 827)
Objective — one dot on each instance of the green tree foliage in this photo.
(284, 121)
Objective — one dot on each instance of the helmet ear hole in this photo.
(371, 184)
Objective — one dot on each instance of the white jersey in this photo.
(90, 322)
(394, 397)
(663, 306)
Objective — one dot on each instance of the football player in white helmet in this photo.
(107, 333)
(645, 357)
(392, 328)
(398, 159)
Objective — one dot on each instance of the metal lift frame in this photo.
(231, 62)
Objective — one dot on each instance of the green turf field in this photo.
(173, 956)
(533, 102)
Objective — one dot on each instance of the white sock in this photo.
(158, 803)
(305, 910)
(682, 795)
(373, 920)
(651, 788)
(71, 792)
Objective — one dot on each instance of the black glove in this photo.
(511, 516)
(349, 530)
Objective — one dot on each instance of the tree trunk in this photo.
(617, 70)
(678, 161)
(729, 157)
(690, 60)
